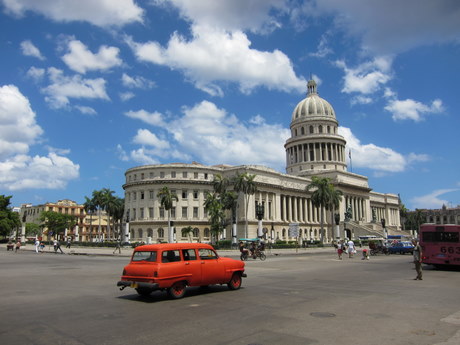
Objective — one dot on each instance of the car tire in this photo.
(177, 290)
(144, 292)
(235, 282)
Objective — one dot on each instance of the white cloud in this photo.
(409, 109)
(35, 73)
(154, 119)
(368, 77)
(254, 15)
(29, 49)
(62, 88)
(18, 128)
(432, 200)
(136, 82)
(101, 13)
(86, 110)
(214, 56)
(81, 60)
(38, 172)
(391, 26)
(323, 48)
(373, 157)
(126, 96)
(147, 138)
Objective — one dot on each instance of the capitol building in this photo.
(315, 148)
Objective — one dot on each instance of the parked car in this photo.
(401, 247)
(174, 266)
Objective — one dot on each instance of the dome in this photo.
(313, 105)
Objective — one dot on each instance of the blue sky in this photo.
(90, 88)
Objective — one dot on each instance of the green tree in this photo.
(216, 215)
(90, 207)
(9, 220)
(321, 197)
(108, 202)
(334, 202)
(166, 200)
(56, 223)
(98, 201)
(33, 229)
(245, 183)
(188, 231)
(116, 209)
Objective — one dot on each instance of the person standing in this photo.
(351, 248)
(18, 246)
(69, 242)
(417, 259)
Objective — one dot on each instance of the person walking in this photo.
(37, 245)
(351, 248)
(18, 246)
(417, 259)
(118, 247)
(340, 247)
(57, 246)
(69, 242)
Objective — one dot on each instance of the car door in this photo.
(192, 267)
(212, 269)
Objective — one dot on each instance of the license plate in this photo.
(134, 285)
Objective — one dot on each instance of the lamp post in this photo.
(337, 225)
(127, 227)
(260, 216)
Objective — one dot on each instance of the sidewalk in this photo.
(127, 251)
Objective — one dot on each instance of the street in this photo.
(291, 299)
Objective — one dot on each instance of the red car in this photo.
(174, 266)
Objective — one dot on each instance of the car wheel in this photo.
(177, 290)
(144, 292)
(235, 282)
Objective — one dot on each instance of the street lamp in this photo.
(384, 228)
(260, 216)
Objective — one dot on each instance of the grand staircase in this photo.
(372, 229)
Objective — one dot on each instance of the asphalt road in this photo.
(295, 299)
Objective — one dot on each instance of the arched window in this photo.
(329, 129)
(320, 129)
(312, 130)
(302, 131)
(161, 233)
(206, 232)
(149, 232)
(196, 232)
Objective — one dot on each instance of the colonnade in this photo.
(298, 210)
(315, 152)
(358, 207)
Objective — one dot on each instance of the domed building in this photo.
(315, 148)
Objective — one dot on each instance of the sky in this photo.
(91, 88)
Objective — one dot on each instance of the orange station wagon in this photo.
(174, 266)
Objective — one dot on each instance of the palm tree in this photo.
(334, 202)
(90, 207)
(98, 200)
(108, 202)
(216, 215)
(116, 210)
(166, 200)
(188, 230)
(245, 183)
(321, 197)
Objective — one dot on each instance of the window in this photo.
(161, 233)
(195, 175)
(206, 176)
(184, 212)
(162, 174)
(162, 212)
(184, 174)
(151, 194)
(135, 177)
(142, 195)
(142, 176)
(173, 212)
(134, 195)
(450, 237)
(173, 174)
(302, 131)
(141, 213)
(320, 128)
(195, 212)
(151, 175)
(150, 212)
(196, 232)
(144, 256)
(184, 194)
(195, 194)
(206, 232)
(311, 130)
(134, 214)
(189, 254)
(207, 254)
(170, 256)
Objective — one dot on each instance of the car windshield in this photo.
(145, 256)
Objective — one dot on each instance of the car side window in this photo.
(144, 256)
(207, 254)
(170, 256)
(189, 254)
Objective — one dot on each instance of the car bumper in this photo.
(142, 285)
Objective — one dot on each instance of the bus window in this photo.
(449, 237)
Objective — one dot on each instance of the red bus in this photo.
(440, 244)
